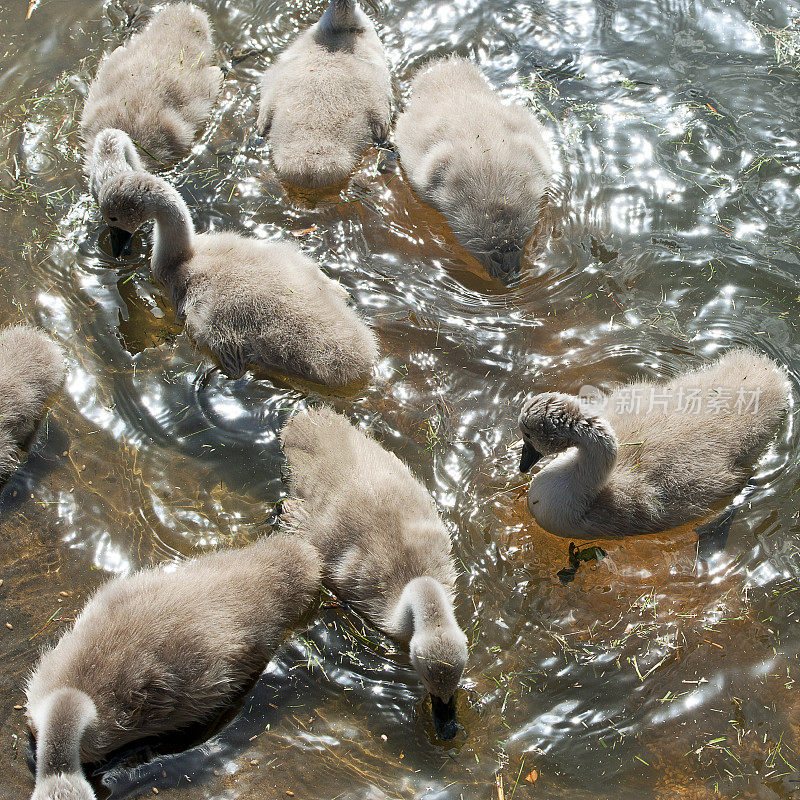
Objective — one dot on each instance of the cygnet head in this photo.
(497, 235)
(126, 202)
(425, 618)
(439, 655)
(495, 232)
(436, 644)
(491, 201)
(551, 423)
(72, 786)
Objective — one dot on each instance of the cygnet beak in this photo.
(530, 455)
(119, 241)
(444, 717)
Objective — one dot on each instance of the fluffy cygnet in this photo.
(249, 302)
(159, 88)
(326, 97)
(160, 650)
(482, 163)
(384, 547)
(658, 454)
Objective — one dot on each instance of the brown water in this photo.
(673, 233)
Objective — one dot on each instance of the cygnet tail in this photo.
(61, 724)
(340, 16)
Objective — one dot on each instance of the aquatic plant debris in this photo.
(786, 42)
(576, 556)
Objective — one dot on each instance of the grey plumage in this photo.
(64, 716)
(160, 650)
(325, 97)
(687, 445)
(159, 88)
(113, 151)
(384, 547)
(264, 303)
(32, 368)
(483, 164)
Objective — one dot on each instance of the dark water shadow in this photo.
(40, 455)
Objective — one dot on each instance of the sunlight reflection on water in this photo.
(670, 235)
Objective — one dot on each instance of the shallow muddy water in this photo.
(665, 671)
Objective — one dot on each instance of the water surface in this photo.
(672, 234)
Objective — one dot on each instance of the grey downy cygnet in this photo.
(248, 301)
(159, 88)
(655, 455)
(326, 97)
(160, 650)
(384, 547)
(483, 164)
(32, 368)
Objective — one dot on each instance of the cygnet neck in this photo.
(424, 604)
(595, 457)
(564, 489)
(173, 234)
(67, 715)
(340, 16)
(112, 152)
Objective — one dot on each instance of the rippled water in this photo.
(661, 672)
